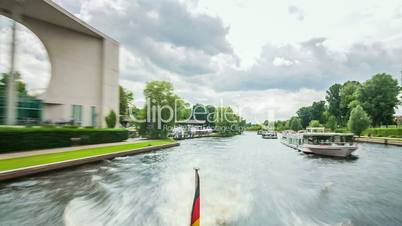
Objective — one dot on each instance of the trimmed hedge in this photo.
(23, 139)
(342, 130)
(384, 132)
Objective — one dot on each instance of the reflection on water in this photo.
(245, 180)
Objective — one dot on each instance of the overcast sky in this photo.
(267, 57)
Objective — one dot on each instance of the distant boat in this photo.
(269, 135)
(317, 141)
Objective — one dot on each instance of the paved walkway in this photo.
(65, 149)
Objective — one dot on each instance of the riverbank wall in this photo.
(385, 141)
(28, 171)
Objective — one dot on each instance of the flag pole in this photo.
(195, 212)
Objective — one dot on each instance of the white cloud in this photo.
(296, 11)
(279, 61)
(267, 56)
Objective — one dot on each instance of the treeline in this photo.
(163, 109)
(352, 104)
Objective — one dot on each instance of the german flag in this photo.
(195, 213)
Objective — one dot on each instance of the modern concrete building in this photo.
(84, 62)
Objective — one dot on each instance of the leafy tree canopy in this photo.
(358, 121)
(315, 123)
(314, 112)
(161, 111)
(333, 98)
(126, 100)
(331, 123)
(305, 115)
(295, 123)
(348, 94)
(379, 98)
(19, 85)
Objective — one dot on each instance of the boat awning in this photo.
(328, 134)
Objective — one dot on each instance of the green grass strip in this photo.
(22, 162)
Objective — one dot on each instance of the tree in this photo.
(126, 100)
(358, 121)
(111, 119)
(313, 112)
(126, 107)
(334, 101)
(253, 127)
(19, 85)
(315, 123)
(183, 110)
(305, 116)
(331, 122)
(200, 112)
(295, 124)
(227, 122)
(280, 125)
(204, 113)
(211, 111)
(160, 111)
(317, 111)
(379, 98)
(349, 96)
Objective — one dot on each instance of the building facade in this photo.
(84, 83)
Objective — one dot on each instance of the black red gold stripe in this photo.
(195, 213)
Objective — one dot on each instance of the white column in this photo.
(11, 110)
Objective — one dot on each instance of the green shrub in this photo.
(384, 132)
(331, 123)
(314, 123)
(21, 139)
(342, 130)
(358, 120)
(49, 126)
(111, 119)
(71, 126)
(253, 128)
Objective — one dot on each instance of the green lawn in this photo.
(21, 162)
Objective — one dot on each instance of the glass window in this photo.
(93, 116)
(77, 114)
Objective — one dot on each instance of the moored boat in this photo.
(317, 141)
(269, 135)
(290, 138)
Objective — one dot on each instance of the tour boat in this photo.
(317, 141)
(269, 135)
(290, 138)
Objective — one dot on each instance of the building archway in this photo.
(83, 86)
(32, 71)
(32, 58)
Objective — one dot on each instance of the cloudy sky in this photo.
(266, 58)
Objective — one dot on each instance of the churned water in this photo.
(245, 180)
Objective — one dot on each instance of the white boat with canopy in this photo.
(317, 141)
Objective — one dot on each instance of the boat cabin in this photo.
(328, 139)
(315, 129)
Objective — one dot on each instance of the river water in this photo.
(245, 180)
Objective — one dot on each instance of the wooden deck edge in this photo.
(18, 173)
